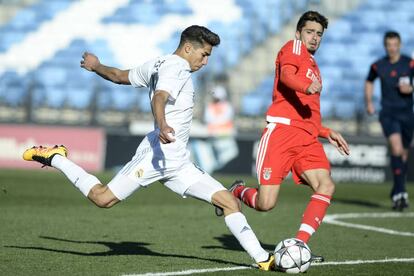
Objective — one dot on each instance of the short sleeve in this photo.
(291, 53)
(412, 70)
(172, 75)
(373, 73)
(141, 75)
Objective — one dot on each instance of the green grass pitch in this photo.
(48, 228)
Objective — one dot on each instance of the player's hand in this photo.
(405, 88)
(370, 108)
(167, 135)
(89, 61)
(314, 87)
(336, 139)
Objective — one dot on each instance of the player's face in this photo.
(311, 35)
(198, 56)
(392, 46)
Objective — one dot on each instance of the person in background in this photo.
(395, 71)
(219, 116)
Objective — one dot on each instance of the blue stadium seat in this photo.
(346, 109)
(124, 98)
(254, 104)
(79, 98)
(29, 19)
(13, 96)
(327, 106)
(55, 97)
(104, 99)
(144, 103)
(51, 76)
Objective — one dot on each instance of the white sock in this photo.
(78, 176)
(238, 225)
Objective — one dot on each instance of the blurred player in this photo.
(290, 140)
(396, 73)
(162, 155)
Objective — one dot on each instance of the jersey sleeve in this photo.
(172, 76)
(373, 73)
(324, 131)
(141, 75)
(412, 71)
(291, 53)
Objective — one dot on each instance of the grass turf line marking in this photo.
(334, 219)
(191, 271)
(393, 260)
(208, 270)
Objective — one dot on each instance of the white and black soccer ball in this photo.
(292, 256)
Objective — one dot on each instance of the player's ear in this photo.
(188, 47)
(297, 35)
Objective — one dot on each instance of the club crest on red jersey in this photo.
(267, 173)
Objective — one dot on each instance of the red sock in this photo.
(313, 216)
(247, 195)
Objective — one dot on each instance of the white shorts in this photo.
(168, 163)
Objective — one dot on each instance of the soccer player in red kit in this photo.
(290, 140)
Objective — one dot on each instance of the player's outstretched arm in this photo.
(369, 91)
(91, 63)
(336, 139)
(339, 142)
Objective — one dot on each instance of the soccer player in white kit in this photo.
(162, 155)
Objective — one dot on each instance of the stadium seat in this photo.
(51, 76)
(79, 98)
(55, 97)
(327, 106)
(144, 103)
(13, 96)
(347, 109)
(254, 104)
(124, 98)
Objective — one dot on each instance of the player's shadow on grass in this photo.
(229, 242)
(117, 249)
(358, 202)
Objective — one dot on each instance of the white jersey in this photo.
(169, 73)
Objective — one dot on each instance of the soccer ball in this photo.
(292, 256)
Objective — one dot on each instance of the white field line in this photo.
(191, 271)
(334, 219)
(354, 262)
(208, 270)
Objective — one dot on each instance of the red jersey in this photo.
(290, 103)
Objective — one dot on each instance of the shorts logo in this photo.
(139, 173)
(267, 172)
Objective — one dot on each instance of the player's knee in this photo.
(227, 202)
(99, 196)
(265, 205)
(234, 205)
(327, 188)
(102, 203)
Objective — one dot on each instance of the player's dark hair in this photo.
(312, 16)
(198, 35)
(391, 34)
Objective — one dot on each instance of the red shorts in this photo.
(285, 148)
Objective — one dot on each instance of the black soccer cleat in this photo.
(400, 202)
(317, 259)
